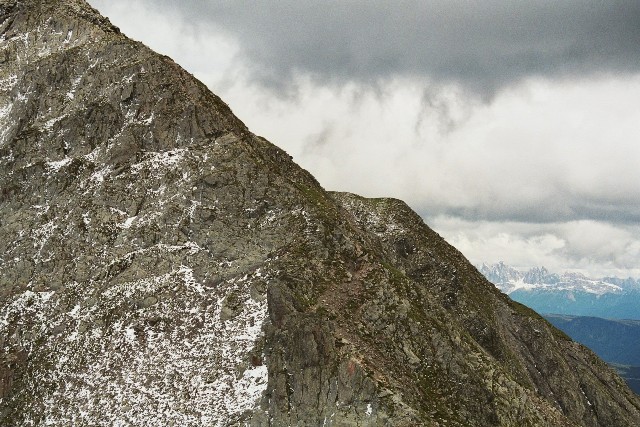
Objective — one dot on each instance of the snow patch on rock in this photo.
(196, 372)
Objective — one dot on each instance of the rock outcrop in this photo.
(161, 265)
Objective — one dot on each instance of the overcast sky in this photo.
(512, 127)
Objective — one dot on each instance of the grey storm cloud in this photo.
(482, 45)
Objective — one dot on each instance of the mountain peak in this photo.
(52, 10)
(161, 265)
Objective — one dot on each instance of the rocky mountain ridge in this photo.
(162, 265)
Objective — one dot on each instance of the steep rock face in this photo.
(161, 265)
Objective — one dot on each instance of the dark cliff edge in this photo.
(161, 265)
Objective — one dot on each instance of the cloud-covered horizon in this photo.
(513, 131)
(597, 249)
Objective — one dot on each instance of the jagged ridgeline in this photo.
(161, 265)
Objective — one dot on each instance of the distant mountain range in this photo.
(593, 312)
(567, 293)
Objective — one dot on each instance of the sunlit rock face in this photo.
(161, 265)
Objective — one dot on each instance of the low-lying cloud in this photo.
(591, 247)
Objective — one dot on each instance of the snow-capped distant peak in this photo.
(509, 279)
